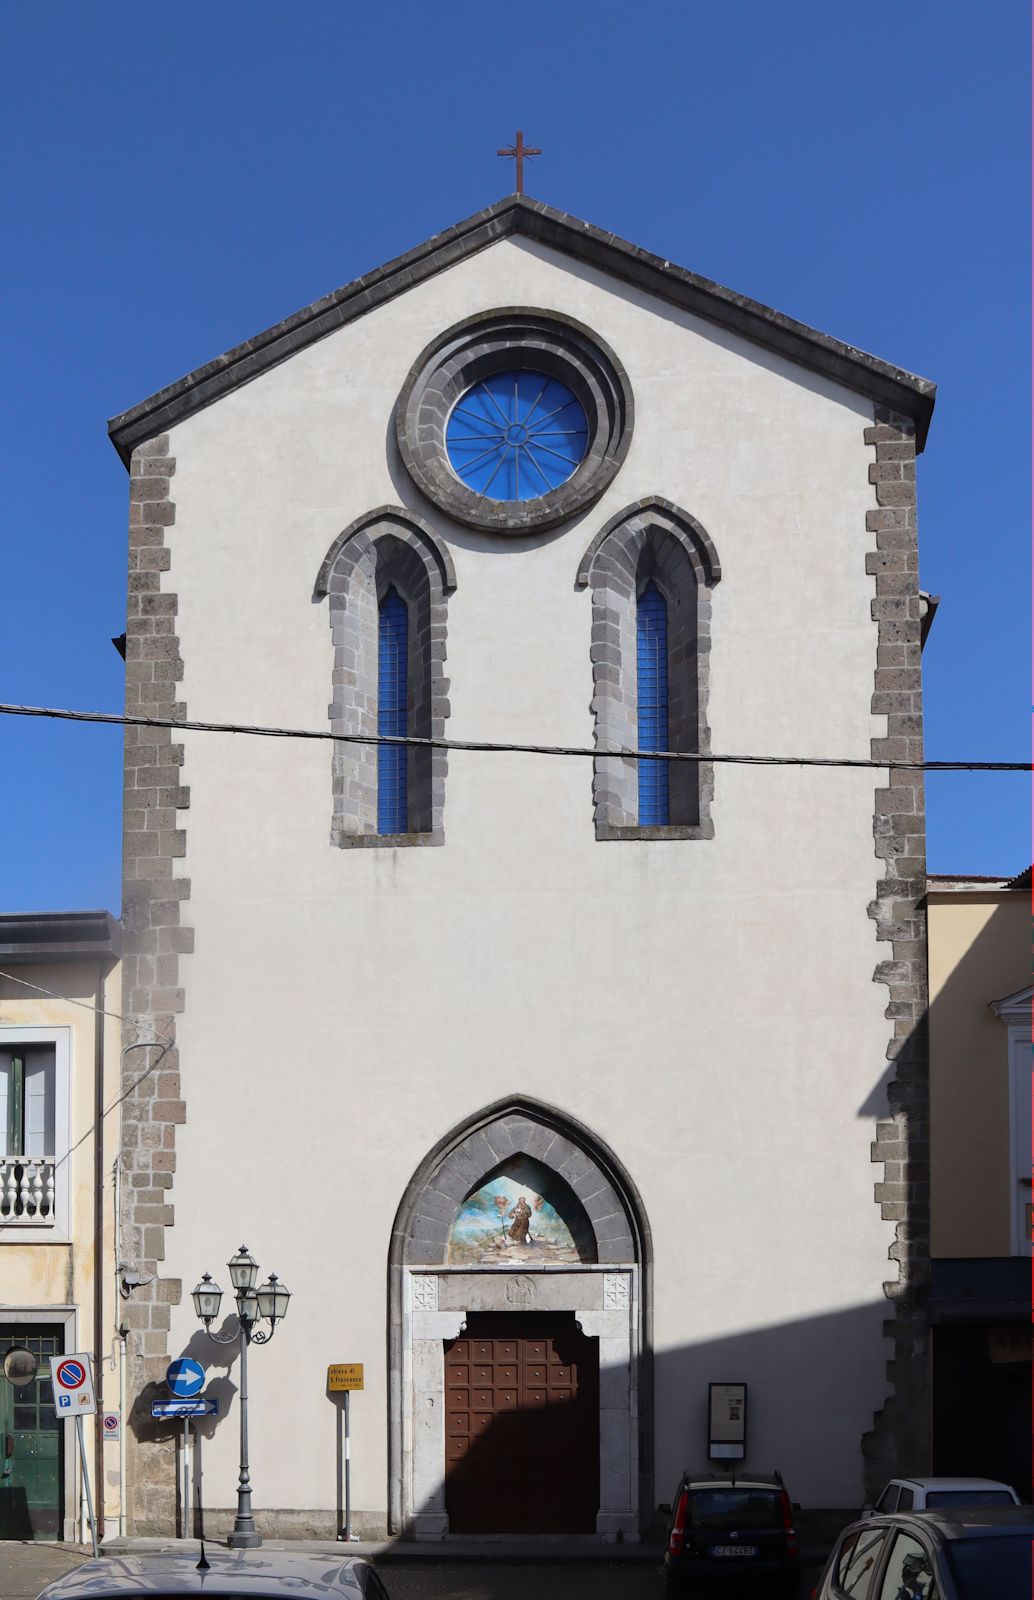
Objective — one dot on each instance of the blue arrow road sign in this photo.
(184, 1408)
(185, 1377)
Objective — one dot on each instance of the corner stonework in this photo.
(900, 1438)
(155, 938)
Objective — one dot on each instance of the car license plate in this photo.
(734, 1550)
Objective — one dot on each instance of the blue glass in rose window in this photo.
(516, 435)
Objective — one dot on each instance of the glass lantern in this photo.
(273, 1298)
(243, 1270)
(206, 1298)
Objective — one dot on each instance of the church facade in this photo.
(557, 1088)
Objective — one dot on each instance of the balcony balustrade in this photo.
(27, 1191)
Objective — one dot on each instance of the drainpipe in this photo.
(120, 1335)
(98, 1245)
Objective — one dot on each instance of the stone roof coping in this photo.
(882, 382)
(974, 883)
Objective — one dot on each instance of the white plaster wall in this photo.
(706, 1007)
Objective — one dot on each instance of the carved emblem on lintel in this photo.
(616, 1291)
(425, 1293)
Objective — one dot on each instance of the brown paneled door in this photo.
(522, 1425)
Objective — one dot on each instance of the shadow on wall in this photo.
(168, 1432)
(520, 1451)
(523, 1451)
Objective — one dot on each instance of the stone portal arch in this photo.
(608, 1288)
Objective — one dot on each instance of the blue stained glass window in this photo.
(516, 435)
(392, 676)
(652, 681)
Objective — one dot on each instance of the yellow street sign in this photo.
(345, 1375)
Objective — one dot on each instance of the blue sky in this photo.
(177, 178)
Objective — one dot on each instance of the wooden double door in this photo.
(522, 1428)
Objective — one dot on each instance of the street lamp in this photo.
(268, 1303)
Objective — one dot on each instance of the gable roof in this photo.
(517, 214)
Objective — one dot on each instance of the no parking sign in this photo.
(71, 1378)
(110, 1425)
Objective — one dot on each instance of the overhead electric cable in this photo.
(84, 1005)
(114, 719)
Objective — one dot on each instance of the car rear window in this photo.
(996, 1565)
(969, 1497)
(728, 1509)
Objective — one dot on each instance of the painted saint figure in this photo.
(522, 1215)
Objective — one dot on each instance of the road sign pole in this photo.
(348, 1473)
(86, 1481)
(186, 1477)
(342, 1378)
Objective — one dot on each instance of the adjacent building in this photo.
(60, 996)
(980, 1147)
(556, 1088)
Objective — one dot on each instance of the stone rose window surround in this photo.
(493, 342)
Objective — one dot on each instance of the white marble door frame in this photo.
(436, 1303)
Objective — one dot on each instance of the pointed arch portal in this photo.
(519, 1221)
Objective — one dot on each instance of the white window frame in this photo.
(11, 1036)
(1015, 1012)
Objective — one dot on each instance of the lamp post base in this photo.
(241, 1539)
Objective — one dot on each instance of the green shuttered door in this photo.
(31, 1485)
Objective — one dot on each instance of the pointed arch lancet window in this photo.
(388, 579)
(651, 570)
(652, 697)
(392, 684)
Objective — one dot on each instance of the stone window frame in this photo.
(651, 539)
(57, 1226)
(384, 548)
(491, 342)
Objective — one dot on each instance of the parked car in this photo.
(969, 1553)
(242, 1574)
(732, 1527)
(927, 1494)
